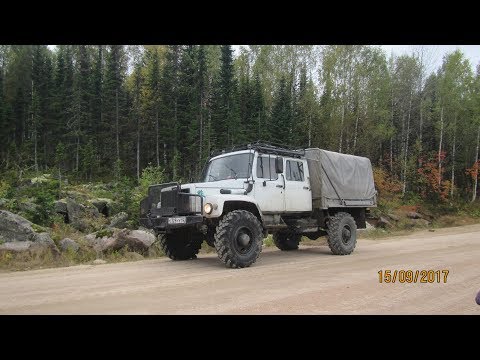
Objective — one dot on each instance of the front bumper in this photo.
(161, 223)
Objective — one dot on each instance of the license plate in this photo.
(177, 220)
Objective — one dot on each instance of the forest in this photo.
(100, 113)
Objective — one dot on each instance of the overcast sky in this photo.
(471, 52)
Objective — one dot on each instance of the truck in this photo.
(249, 191)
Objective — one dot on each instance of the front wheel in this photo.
(238, 239)
(181, 244)
(342, 234)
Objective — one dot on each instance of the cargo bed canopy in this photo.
(340, 180)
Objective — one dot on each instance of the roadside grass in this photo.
(206, 249)
(268, 241)
(59, 230)
(10, 261)
(28, 261)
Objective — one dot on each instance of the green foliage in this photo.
(60, 154)
(45, 202)
(268, 241)
(89, 160)
(117, 169)
(104, 232)
(43, 193)
(151, 175)
(4, 188)
(91, 111)
(38, 229)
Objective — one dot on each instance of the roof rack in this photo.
(265, 148)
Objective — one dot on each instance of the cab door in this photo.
(298, 195)
(269, 186)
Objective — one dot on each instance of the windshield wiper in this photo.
(214, 178)
(234, 172)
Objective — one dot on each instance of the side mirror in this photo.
(279, 165)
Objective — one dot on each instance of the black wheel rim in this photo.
(243, 240)
(346, 234)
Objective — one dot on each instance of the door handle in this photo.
(305, 187)
(279, 186)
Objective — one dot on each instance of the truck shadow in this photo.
(271, 256)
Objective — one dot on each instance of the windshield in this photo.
(229, 167)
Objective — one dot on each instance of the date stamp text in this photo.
(413, 276)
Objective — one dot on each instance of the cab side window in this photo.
(266, 168)
(294, 170)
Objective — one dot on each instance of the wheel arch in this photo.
(231, 205)
(358, 214)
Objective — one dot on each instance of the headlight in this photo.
(208, 208)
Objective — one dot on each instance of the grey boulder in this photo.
(414, 215)
(99, 262)
(68, 244)
(383, 223)
(393, 217)
(136, 240)
(119, 220)
(103, 205)
(79, 215)
(60, 206)
(44, 240)
(14, 227)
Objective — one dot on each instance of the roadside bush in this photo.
(4, 188)
(42, 216)
(151, 175)
(386, 185)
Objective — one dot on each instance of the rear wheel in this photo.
(181, 244)
(238, 239)
(286, 241)
(342, 233)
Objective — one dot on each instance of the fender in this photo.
(220, 200)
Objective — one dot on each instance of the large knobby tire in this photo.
(181, 244)
(342, 234)
(286, 241)
(238, 239)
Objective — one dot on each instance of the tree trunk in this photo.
(138, 151)
(45, 151)
(453, 156)
(200, 155)
(259, 126)
(475, 181)
(77, 153)
(421, 124)
(157, 151)
(34, 132)
(309, 131)
(35, 143)
(355, 135)
(175, 163)
(165, 154)
(391, 140)
(341, 129)
(406, 146)
(440, 149)
(59, 177)
(209, 126)
(117, 124)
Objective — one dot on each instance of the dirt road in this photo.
(308, 281)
